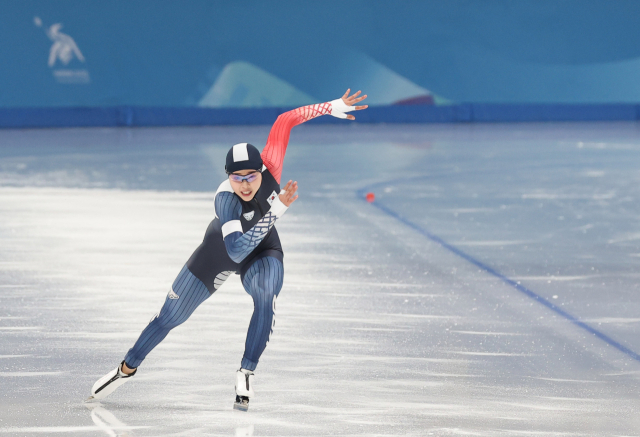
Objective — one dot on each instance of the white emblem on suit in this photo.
(172, 294)
(248, 216)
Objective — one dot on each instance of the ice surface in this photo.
(380, 330)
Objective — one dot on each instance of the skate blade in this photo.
(240, 407)
(91, 399)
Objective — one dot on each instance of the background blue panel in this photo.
(250, 54)
(185, 116)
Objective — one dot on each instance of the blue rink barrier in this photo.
(194, 116)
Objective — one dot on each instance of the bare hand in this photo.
(352, 100)
(288, 194)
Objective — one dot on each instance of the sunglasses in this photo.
(249, 178)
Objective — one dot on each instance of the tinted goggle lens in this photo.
(249, 178)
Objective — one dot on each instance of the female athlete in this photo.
(241, 239)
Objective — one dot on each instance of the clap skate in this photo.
(244, 389)
(109, 383)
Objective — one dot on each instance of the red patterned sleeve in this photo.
(273, 153)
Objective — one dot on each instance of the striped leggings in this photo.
(263, 281)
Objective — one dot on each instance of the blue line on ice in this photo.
(521, 288)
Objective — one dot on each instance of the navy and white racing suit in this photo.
(241, 239)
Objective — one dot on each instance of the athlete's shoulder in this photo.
(225, 187)
(227, 203)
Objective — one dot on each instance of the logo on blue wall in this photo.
(63, 51)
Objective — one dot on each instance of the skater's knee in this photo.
(265, 301)
(264, 288)
(170, 322)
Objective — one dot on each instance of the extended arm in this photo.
(274, 151)
(237, 243)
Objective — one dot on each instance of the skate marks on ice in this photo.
(567, 275)
(378, 331)
(74, 279)
(106, 423)
(472, 360)
(290, 402)
(516, 284)
(556, 246)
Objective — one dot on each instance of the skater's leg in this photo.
(186, 294)
(263, 281)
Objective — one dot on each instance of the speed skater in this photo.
(241, 239)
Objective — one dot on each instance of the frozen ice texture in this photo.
(379, 330)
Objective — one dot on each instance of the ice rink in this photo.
(491, 289)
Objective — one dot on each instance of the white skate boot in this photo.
(244, 389)
(109, 383)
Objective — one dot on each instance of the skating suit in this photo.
(240, 239)
(223, 253)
